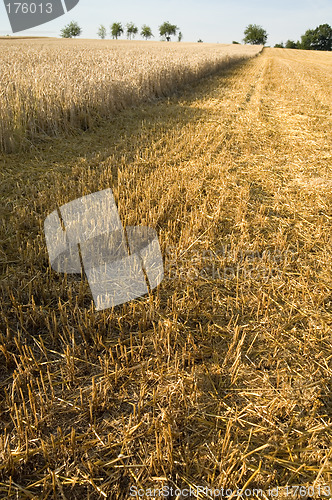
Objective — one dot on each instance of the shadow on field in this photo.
(117, 141)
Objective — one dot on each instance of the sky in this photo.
(213, 21)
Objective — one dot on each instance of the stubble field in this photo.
(221, 377)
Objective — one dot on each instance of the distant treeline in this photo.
(317, 39)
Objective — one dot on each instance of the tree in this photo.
(307, 40)
(132, 30)
(235, 42)
(290, 44)
(279, 45)
(116, 30)
(102, 32)
(255, 35)
(323, 37)
(71, 30)
(317, 39)
(199, 41)
(180, 36)
(146, 32)
(167, 29)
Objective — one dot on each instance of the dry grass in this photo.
(54, 86)
(222, 376)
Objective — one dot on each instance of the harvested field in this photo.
(221, 377)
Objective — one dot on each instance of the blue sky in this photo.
(213, 21)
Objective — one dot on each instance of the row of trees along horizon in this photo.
(319, 38)
(166, 30)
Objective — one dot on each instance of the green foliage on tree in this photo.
(116, 30)
(317, 39)
(180, 36)
(167, 29)
(236, 43)
(102, 32)
(255, 35)
(146, 32)
(279, 45)
(71, 30)
(307, 40)
(290, 44)
(132, 30)
(199, 41)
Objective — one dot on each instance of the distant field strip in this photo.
(53, 86)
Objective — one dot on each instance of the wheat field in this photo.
(53, 86)
(221, 377)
